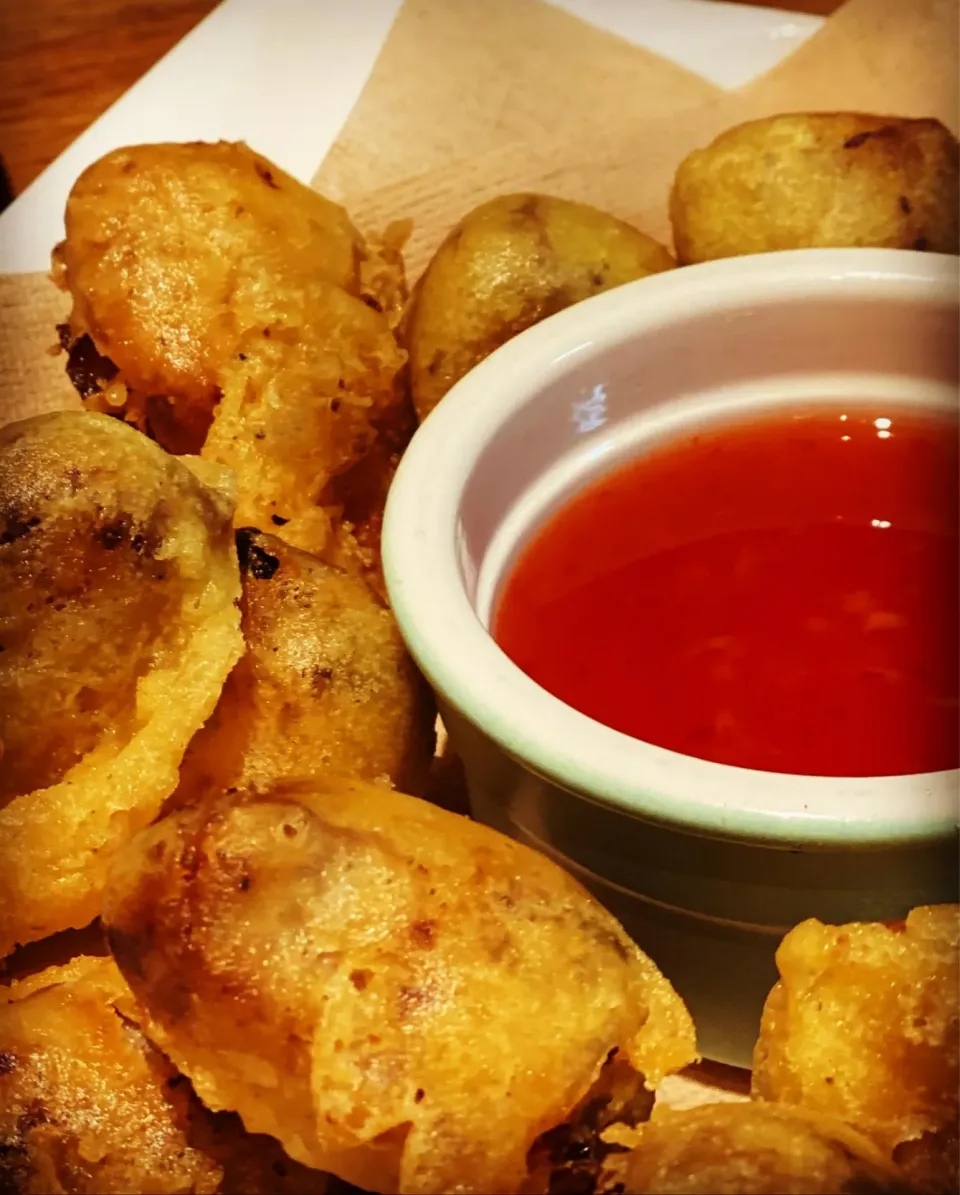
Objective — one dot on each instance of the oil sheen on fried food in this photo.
(780, 594)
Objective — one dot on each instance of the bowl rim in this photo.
(472, 674)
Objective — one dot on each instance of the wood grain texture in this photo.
(65, 63)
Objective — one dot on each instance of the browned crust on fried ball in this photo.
(118, 623)
(818, 180)
(317, 957)
(326, 684)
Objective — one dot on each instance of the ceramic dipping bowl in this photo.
(706, 865)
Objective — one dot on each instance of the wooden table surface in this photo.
(66, 62)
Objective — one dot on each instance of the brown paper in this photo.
(473, 98)
(626, 172)
(457, 79)
(32, 376)
(892, 57)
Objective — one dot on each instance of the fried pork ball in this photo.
(87, 1105)
(755, 1149)
(506, 266)
(326, 684)
(401, 996)
(863, 1025)
(118, 627)
(224, 307)
(818, 180)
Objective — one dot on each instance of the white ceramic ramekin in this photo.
(706, 865)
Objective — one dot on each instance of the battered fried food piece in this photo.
(401, 996)
(507, 265)
(118, 623)
(302, 401)
(85, 1104)
(326, 684)
(756, 1149)
(88, 1105)
(211, 287)
(166, 245)
(863, 1025)
(818, 180)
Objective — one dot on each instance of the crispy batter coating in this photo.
(756, 1149)
(302, 400)
(399, 995)
(507, 265)
(326, 684)
(221, 305)
(863, 1025)
(118, 623)
(88, 1105)
(167, 246)
(85, 1104)
(818, 180)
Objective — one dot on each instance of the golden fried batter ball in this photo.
(326, 684)
(208, 285)
(507, 265)
(118, 626)
(818, 180)
(756, 1149)
(301, 402)
(87, 1105)
(401, 996)
(863, 1025)
(166, 250)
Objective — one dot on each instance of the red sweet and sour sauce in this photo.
(780, 595)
